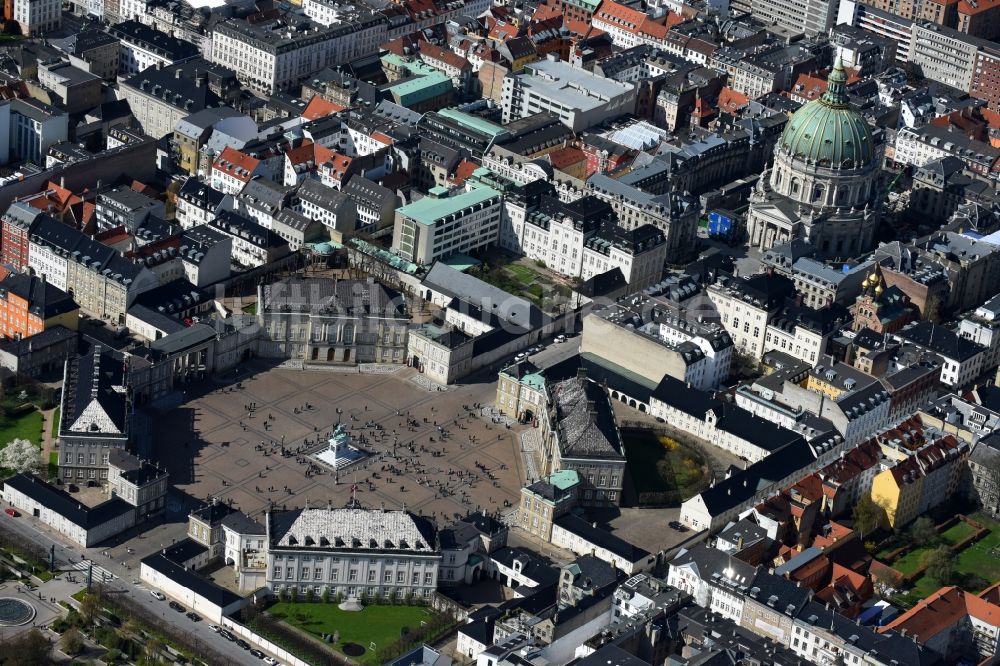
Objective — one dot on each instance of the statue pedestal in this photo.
(351, 605)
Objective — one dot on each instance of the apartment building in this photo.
(675, 213)
(37, 17)
(30, 305)
(581, 238)
(143, 47)
(352, 553)
(95, 415)
(276, 55)
(321, 321)
(446, 222)
(579, 98)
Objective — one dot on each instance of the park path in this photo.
(48, 441)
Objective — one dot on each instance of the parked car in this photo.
(243, 644)
(194, 617)
(677, 526)
(177, 607)
(560, 338)
(256, 653)
(214, 627)
(228, 636)
(12, 512)
(520, 357)
(157, 595)
(270, 661)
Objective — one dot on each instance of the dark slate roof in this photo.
(213, 513)
(939, 340)
(200, 194)
(184, 550)
(66, 505)
(712, 564)
(177, 90)
(779, 593)
(603, 284)
(585, 420)
(154, 40)
(592, 573)
(533, 567)
(92, 381)
(603, 372)
(444, 279)
(743, 485)
(612, 655)
(190, 580)
(44, 299)
(326, 295)
(675, 393)
(242, 523)
(601, 538)
(50, 336)
(754, 429)
(903, 650)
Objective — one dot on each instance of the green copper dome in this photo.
(827, 131)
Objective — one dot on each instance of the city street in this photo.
(68, 558)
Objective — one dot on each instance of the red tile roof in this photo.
(941, 611)
(320, 108)
(435, 52)
(630, 20)
(568, 156)
(234, 163)
(977, 7)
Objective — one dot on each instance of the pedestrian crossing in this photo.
(101, 575)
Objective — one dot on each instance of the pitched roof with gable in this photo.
(319, 107)
(236, 164)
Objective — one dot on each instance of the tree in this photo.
(71, 642)
(940, 564)
(26, 650)
(90, 606)
(867, 516)
(152, 650)
(325, 595)
(21, 456)
(922, 532)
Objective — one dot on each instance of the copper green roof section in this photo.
(430, 209)
(827, 132)
(473, 122)
(565, 479)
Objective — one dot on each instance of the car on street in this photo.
(12, 512)
(520, 357)
(228, 636)
(194, 617)
(270, 661)
(560, 338)
(243, 644)
(214, 627)
(177, 607)
(157, 595)
(256, 653)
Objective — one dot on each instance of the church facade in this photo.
(823, 186)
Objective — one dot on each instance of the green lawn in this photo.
(53, 465)
(910, 562)
(522, 273)
(976, 566)
(379, 624)
(250, 309)
(55, 423)
(27, 426)
(957, 532)
(661, 465)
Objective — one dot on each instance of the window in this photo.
(371, 576)
(352, 575)
(400, 577)
(428, 578)
(387, 577)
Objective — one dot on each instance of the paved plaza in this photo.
(432, 451)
